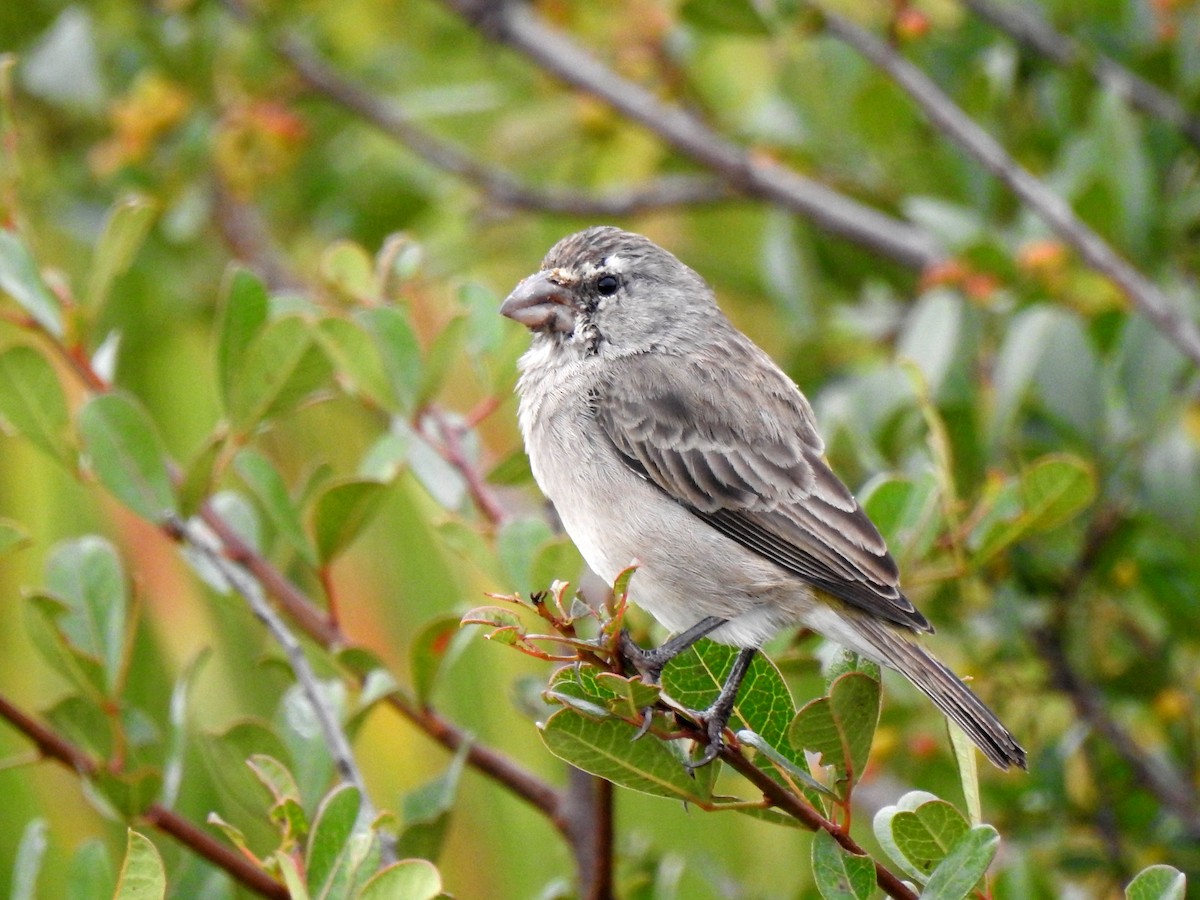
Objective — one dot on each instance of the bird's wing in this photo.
(737, 444)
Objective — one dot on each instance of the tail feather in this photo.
(945, 689)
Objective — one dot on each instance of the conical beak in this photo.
(540, 305)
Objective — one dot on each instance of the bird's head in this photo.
(608, 292)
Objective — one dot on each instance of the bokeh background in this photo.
(312, 141)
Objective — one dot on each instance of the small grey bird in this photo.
(662, 434)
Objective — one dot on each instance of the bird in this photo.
(664, 436)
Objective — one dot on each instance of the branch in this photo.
(244, 233)
(1026, 26)
(53, 746)
(241, 581)
(313, 622)
(948, 118)
(518, 26)
(497, 184)
(1156, 775)
(789, 803)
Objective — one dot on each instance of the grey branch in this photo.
(499, 185)
(951, 121)
(519, 27)
(202, 541)
(1026, 26)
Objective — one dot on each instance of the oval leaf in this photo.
(963, 868)
(32, 400)
(839, 874)
(606, 749)
(127, 454)
(281, 366)
(341, 512)
(410, 879)
(142, 876)
(21, 280)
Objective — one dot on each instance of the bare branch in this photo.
(500, 186)
(518, 26)
(1024, 24)
(53, 746)
(247, 237)
(949, 118)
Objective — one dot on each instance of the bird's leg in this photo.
(650, 663)
(716, 717)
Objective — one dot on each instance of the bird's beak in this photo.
(540, 305)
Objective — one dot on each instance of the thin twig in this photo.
(1024, 24)
(53, 746)
(211, 548)
(517, 25)
(951, 121)
(245, 234)
(449, 445)
(317, 626)
(499, 185)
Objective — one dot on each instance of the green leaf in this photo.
(356, 360)
(21, 280)
(42, 615)
(28, 863)
(86, 575)
(919, 831)
(341, 512)
(91, 872)
(142, 876)
(1157, 883)
(839, 874)
(764, 703)
(225, 755)
(1054, 489)
(33, 403)
(13, 536)
(200, 474)
(268, 486)
(282, 366)
(517, 546)
(409, 879)
(963, 868)
(840, 726)
(906, 512)
(81, 721)
(1050, 492)
(127, 454)
(427, 811)
(346, 267)
(399, 349)
(242, 317)
(726, 17)
(287, 811)
(179, 743)
(442, 355)
(128, 793)
(332, 826)
(968, 771)
(606, 749)
(433, 648)
(125, 228)
(631, 695)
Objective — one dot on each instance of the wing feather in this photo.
(739, 447)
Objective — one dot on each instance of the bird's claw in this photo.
(647, 721)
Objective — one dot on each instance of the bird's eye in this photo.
(607, 285)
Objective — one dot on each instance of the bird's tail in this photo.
(945, 689)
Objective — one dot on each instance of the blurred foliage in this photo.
(225, 291)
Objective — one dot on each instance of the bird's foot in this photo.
(714, 720)
(648, 663)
